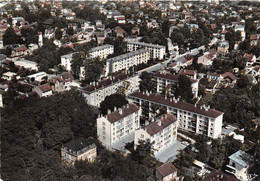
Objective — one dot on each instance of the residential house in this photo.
(201, 120)
(79, 149)
(192, 74)
(160, 132)
(223, 47)
(229, 79)
(214, 76)
(102, 51)
(44, 90)
(239, 165)
(207, 58)
(8, 75)
(37, 76)
(118, 125)
(167, 172)
(62, 82)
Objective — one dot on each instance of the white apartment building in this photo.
(200, 120)
(239, 165)
(102, 51)
(97, 91)
(161, 133)
(125, 61)
(66, 61)
(118, 124)
(156, 51)
(165, 80)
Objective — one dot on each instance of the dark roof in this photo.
(170, 77)
(105, 83)
(77, 145)
(178, 104)
(166, 169)
(115, 116)
(67, 76)
(153, 128)
(86, 178)
(220, 176)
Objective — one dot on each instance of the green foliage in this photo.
(10, 37)
(183, 89)
(33, 131)
(147, 82)
(46, 56)
(114, 100)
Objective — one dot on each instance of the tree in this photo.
(58, 34)
(10, 37)
(147, 82)
(183, 89)
(114, 100)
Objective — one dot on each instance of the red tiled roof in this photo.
(253, 37)
(187, 72)
(179, 105)
(213, 74)
(220, 176)
(153, 128)
(115, 116)
(166, 169)
(230, 75)
(67, 76)
(45, 88)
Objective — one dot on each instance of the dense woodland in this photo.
(33, 131)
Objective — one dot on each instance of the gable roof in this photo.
(45, 87)
(166, 169)
(219, 176)
(116, 116)
(153, 128)
(178, 104)
(230, 75)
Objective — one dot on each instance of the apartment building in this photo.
(239, 165)
(118, 124)
(201, 120)
(66, 61)
(165, 80)
(79, 149)
(160, 132)
(123, 83)
(126, 61)
(102, 51)
(156, 51)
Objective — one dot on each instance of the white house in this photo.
(43, 90)
(102, 51)
(118, 124)
(37, 76)
(239, 165)
(66, 61)
(161, 133)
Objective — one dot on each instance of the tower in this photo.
(40, 41)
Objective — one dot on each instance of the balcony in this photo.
(230, 169)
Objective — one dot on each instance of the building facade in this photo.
(66, 61)
(79, 149)
(97, 91)
(166, 80)
(239, 165)
(118, 124)
(102, 51)
(126, 61)
(201, 120)
(161, 133)
(156, 51)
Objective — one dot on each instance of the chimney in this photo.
(152, 119)
(115, 109)
(120, 111)
(108, 111)
(159, 122)
(146, 123)
(171, 99)
(127, 106)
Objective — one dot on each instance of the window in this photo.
(142, 136)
